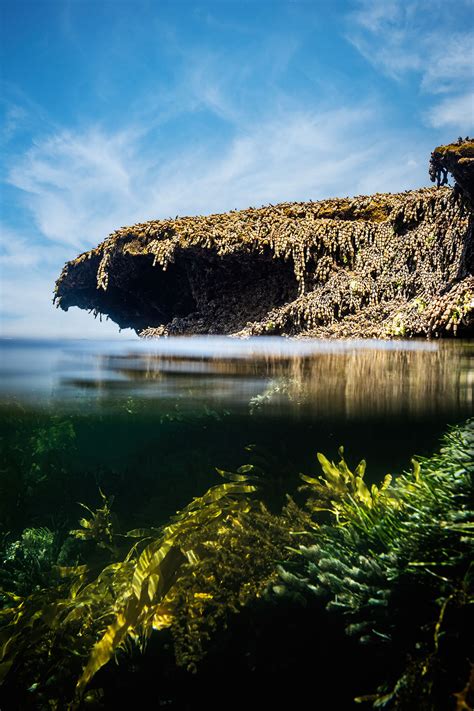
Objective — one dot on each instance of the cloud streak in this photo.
(455, 111)
(415, 39)
(79, 186)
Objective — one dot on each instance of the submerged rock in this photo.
(382, 266)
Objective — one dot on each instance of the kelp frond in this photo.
(145, 602)
(340, 487)
(214, 556)
(100, 527)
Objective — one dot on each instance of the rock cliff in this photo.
(387, 265)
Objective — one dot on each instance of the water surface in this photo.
(150, 421)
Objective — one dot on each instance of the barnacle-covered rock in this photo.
(457, 159)
(386, 265)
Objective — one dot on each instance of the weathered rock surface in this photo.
(457, 159)
(379, 266)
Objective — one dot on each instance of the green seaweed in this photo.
(27, 562)
(216, 554)
(396, 564)
(392, 562)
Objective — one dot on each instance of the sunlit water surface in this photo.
(152, 419)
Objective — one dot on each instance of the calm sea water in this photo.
(149, 421)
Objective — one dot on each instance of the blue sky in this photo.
(118, 111)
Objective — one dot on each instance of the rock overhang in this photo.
(383, 265)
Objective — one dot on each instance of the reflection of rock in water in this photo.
(379, 266)
(373, 382)
(353, 382)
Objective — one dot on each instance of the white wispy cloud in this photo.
(80, 186)
(418, 38)
(455, 111)
(447, 60)
(16, 250)
(73, 181)
(13, 120)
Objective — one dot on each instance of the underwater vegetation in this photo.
(214, 556)
(391, 564)
(396, 563)
(34, 453)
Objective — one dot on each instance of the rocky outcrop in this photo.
(379, 266)
(457, 159)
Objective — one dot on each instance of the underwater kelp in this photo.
(392, 564)
(186, 569)
(396, 562)
(214, 556)
(241, 566)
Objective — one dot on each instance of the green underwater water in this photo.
(137, 434)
